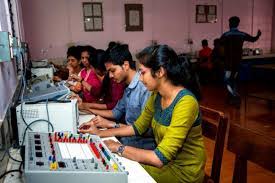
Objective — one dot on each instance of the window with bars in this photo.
(93, 16)
(206, 14)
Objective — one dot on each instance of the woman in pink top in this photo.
(111, 92)
(91, 84)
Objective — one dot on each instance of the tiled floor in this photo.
(257, 117)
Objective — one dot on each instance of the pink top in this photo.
(91, 78)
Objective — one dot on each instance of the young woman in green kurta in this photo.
(172, 111)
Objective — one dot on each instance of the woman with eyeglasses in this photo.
(172, 111)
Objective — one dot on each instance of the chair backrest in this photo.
(214, 126)
(250, 145)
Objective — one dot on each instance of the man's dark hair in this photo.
(111, 44)
(120, 53)
(234, 22)
(204, 42)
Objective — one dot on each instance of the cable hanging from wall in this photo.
(11, 17)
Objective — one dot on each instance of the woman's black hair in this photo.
(97, 60)
(74, 51)
(91, 51)
(179, 69)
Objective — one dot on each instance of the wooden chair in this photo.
(252, 146)
(214, 125)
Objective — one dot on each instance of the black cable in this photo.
(22, 95)
(3, 156)
(7, 151)
(35, 121)
(38, 120)
(23, 65)
(48, 116)
(10, 171)
(19, 161)
(49, 100)
(10, 130)
(20, 166)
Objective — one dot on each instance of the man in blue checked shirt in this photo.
(122, 68)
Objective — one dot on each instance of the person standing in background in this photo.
(232, 41)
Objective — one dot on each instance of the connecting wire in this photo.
(23, 91)
(3, 155)
(39, 120)
(19, 161)
(9, 126)
(23, 65)
(10, 171)
(48, 116)
(35, 121)
(7, 151)
(21, 165)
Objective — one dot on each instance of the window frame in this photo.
(137, 8)
(92, 17)
(206, 16)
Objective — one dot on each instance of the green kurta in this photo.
(177, 131)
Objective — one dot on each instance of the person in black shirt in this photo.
(233, 42)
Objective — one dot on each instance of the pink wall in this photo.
(50, 25)
(263, 12)
(273, 29)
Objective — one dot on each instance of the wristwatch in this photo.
(120, 150)
(117, 125)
